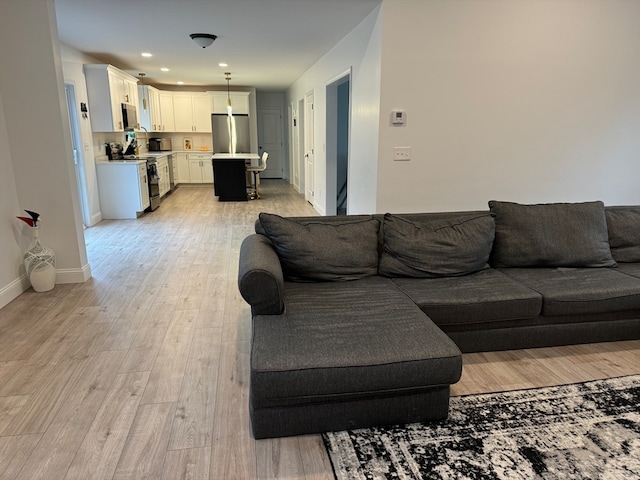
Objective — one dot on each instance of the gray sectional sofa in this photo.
(361, 320)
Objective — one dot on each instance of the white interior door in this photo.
(270, 140)
(308, 148)
(295, 148)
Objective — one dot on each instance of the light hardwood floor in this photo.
(142, 371)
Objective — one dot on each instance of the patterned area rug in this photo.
(584, 431)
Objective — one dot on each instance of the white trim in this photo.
(73, 275)
(13, 290)
(95, 219)
(340, 76)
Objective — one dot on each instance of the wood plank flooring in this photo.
(142, 372)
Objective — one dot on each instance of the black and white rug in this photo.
(583, 431)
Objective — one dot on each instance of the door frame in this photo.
(78, 156)
(309, 148)
(332, 139)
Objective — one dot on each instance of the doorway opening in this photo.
(78, 159)
(338, 120)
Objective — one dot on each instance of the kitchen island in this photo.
(230, 176)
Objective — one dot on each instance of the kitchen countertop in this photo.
(234, 156)
(123, 161)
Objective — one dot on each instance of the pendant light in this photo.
(229, 110)
(144, 98)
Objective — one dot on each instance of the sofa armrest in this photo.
(260, 278)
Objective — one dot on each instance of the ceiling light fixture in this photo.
(146, 54)
(203, 39)
(144, 98)
(164, 69)
(223, 64)
(180, 83)
(227, 78)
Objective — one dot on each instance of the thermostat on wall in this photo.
(398, 117)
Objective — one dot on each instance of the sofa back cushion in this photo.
(435, 248)
(624, 232)
(319, 251)
(550, 235)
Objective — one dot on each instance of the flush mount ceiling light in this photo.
(203, 39)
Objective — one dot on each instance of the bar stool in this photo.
(254, 194)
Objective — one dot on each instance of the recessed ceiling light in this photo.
(223, 65)
(180, 83)
(164, 69)
(146, 54)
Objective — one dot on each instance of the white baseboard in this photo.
(63, 275)
(73, 275)
(13, 290)
(95, 219)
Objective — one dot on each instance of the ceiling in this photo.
(268, 44)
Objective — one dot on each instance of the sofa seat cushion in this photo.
(632, 269)
(575, 291)
(484, 296)
(347, 340)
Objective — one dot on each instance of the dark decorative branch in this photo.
(33, 221)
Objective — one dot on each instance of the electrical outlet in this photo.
(401, 154)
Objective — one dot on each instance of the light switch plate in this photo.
(401, 154)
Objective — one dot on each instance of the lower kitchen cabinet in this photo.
(123, 188)
(200, 168)
(193, 167)
(182, 168)
(164, 183)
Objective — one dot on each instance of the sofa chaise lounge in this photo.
(361, 320)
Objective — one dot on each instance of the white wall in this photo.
(528, 101)
(35, 140)
(360, 50)
(13, 238)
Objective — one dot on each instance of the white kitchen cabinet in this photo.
(173, 166)
(156, 109)
(143, 191)
(182, 166)
(148, 107)
(200, 168)
(107, 89)
(192, 112)
(164, 183)
(239, 102)
(167, 121)
(123, 189)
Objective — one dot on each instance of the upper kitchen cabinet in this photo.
(167, 118)
(156, 109)
(108, 88)
(239, 102)
(192, 112)
(149, 107)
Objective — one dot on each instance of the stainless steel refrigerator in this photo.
(230, 134)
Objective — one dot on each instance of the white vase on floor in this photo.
(40, 265)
